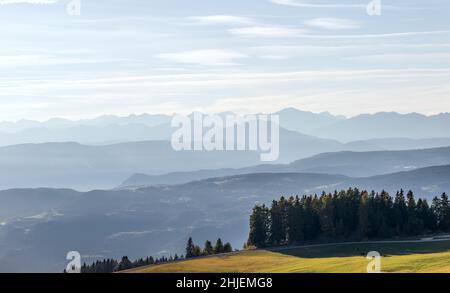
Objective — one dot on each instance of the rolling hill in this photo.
(397, 257)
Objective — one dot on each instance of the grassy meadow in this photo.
(397, 257)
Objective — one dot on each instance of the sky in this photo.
(247, 56)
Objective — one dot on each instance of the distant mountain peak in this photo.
(329, 115)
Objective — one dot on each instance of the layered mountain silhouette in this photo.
(387, 125)
(110, 129)
(356, 164)
(85, 167)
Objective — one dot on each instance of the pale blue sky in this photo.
(134, 56)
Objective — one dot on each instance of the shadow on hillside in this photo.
(362, 249)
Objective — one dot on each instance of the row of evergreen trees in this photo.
(193, 250)
(346, 215)
(112, 265)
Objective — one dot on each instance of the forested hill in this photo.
(347, 215)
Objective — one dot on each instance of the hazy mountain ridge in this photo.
(85, 167)
(110, 128)
(388, 125)
(149, 120)
(89, 134)
(306, 122)
(102, 167)
(355, 164)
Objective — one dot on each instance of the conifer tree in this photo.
(190, 248)
(227, 248)
(218, 248)
(124, 264)
(197, 251)
(259, 226)
(276, 226)
(208, 249)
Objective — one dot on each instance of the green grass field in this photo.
(405, 257)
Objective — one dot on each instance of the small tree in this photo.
(259, 226)
(190, 248)
(124, 264)
(227, 248)
(208, 250)
(219, 246)
(444, 223)
(197, 251)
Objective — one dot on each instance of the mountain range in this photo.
(114, 129)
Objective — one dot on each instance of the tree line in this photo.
(192, 250)
(346, 215)
(112, 265)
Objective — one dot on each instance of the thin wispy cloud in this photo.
(333, 5)
(228, 78)
(377, 36)
(221, 19)
(295, 32)
(332, 23)
(204, 57)
(37, 60)
(36, 2)
(147, 93)
(268, 31)
(440, 57)
(192, 54)
(281, 52)
(310, 4)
